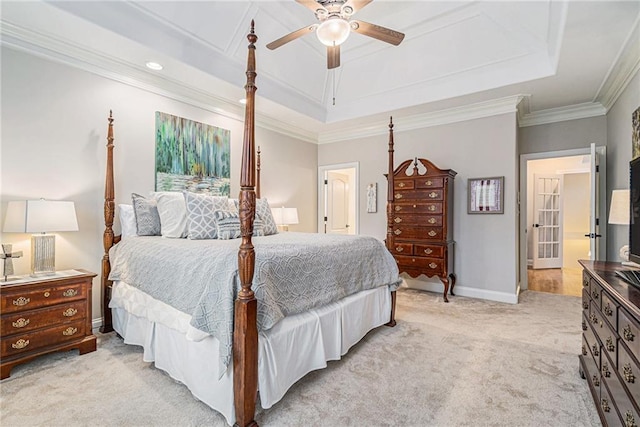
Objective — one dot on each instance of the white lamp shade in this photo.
(285, 216)
(333, 32)
(40, 216)
(619, 211)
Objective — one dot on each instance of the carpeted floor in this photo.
(466, 363)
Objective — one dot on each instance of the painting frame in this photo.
(485, 195)
(635, 133)
(372, 197)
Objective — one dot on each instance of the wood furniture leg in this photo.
(445, 282)
(452, 277)
(108, 238)
(392, 320)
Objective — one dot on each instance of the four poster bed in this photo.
(228, 322)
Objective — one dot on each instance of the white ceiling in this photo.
(556, 55)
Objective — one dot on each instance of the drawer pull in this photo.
(584, 350)
(398, 208)
(431, 221)
(605, 368)
(428, 251)
(626, 332)
(628, 374)
(397, 232)
(596, 380)
(69, 312)
(604, 403)
(629, 420)
(397, 220)
(47, 294)
(414, 206)
(70, 293)
(429, 183)
(21, 301)
(432, 233)
(433, 265)
(432, 208)
(607, 310)
(399, 249)
(593, 318)
(585, 283)
(20, 323)
(610, 345)
(596, 352)
(401, 185)
(20, 344)
(585, 305)
(69, 331)
(433, 195)
(398, 196)
(595, 295)
(584, 325)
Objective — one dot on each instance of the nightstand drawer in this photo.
(22, 343)
(41, 297)
(42, 318)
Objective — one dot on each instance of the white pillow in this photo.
(127, 221)
(173, 213)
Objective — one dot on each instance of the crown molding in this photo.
(423, 120)
(623, 69)
(69, 53)
(560, 114)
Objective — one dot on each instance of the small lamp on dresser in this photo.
(40, 217)
(619, 213)
(285, 217)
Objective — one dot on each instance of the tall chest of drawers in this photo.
(610, 356)
(44, 315)
(420, 220)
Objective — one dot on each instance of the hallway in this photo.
(563, 281)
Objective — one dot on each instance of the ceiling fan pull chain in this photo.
(334, 86)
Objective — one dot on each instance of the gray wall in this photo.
(563, 135)
(54, 124)
(486, 249)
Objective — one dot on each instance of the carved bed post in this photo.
(258, 175)
(108, 238)
(390, 207)
(245, 332)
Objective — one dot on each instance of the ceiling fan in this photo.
(334, 26)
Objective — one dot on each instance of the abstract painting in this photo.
(191, 156)
(635, 134)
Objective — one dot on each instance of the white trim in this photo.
(321, 172)
(462, 291)
(561, 114)
(96, 324)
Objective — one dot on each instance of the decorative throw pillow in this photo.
(127, 221)
(173, 213)
(146, 213)
(263, 213)
(201, 221)
(228, 225)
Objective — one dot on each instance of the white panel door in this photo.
(594, 226)
(338, 203)
(547, 226)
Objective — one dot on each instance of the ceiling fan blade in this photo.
(377, 32)
(312, 4)
(292, 36)
(333, 56)
(356, 5)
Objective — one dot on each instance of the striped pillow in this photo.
(228, 225)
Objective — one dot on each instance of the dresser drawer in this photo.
(429, 265)
(404, 184)
(621, 399)
(596, 290)
(586, 281)
(592, 371)
(586, 299)
(409, 232)
(419, 207)
(609, 310)
(430, 183)
(45, 296)
(629, 373)
(608, 339)
(592, 343)
(434, 194)
(403, 248)
(41, 318)
(607, 406)
(22, 343)
(433, 251)
(629, 332)
(420, 220)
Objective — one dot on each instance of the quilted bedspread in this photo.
(294, 272)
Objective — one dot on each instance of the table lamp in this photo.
(39, 217)
(619, 213)
(285, 217)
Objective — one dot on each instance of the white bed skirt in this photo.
(293, 347)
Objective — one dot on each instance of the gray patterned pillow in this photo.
(264, 215)
(146, 213)
(228, 224)
(201, 222)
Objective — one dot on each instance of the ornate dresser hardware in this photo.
(44, 315)
(399, 249)
(610, 352)
(425, 194)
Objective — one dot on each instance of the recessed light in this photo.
(154, 66)
(243, 101)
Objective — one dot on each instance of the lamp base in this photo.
(43, 255)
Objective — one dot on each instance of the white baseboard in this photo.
(96, 324)
(435, 285)
(530, 262)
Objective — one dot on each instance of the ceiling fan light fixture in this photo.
(334, 31)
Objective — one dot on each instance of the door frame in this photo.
(355, 194)
(522, 201)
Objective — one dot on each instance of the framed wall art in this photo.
(635, 134)
(372, 197)
(485, 195)
(191, 156)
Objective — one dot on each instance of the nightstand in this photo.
(45, 314)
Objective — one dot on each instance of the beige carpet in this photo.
(466, 363)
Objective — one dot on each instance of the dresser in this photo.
(610, 356)
(44, 315)
(420, 221)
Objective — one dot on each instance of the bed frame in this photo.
(245, 332)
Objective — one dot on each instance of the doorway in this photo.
(337, 199)
(560, 218)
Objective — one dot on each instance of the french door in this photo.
(547, 228)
